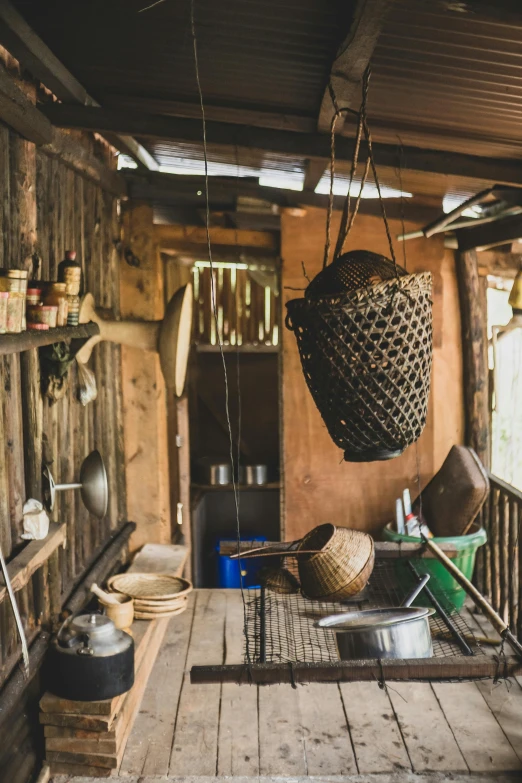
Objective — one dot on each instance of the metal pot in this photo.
(90, 660)
(253, 475)
(218, 474)
(402, 632)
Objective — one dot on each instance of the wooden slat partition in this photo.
(247, 311)
(499, 562)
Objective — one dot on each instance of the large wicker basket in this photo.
(366, 356)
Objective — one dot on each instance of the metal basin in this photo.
(382, 633)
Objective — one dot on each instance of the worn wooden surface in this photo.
(404, 732)
(47, 207)
(319, 487)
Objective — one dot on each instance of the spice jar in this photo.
(15, 312)
(55, 295)
(19, 280)
(4, 296)
(33, 296)
(70, 273)
(43, 314)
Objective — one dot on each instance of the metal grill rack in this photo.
(280, 628)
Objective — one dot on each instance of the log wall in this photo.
(46, 208)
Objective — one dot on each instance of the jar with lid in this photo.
(70, 273)
(43, 314)
(15, 312)
(55, 295)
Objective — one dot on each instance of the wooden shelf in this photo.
(230, 488)
(204, 348)
(24, 341)
(31, 558)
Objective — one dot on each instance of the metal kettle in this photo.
(90, 660)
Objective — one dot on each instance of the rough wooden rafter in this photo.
(29, 49)
(307, 145)
(352, 60)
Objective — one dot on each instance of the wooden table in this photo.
(347, 729)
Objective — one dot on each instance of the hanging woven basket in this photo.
(366, 353)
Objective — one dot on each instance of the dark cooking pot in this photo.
(90, 660)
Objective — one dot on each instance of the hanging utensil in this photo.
(18, 619)
(478, 599)
(444, 616)
(401, 632)
(93, 485)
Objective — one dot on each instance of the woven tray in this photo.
(159, 587)
(138, 615)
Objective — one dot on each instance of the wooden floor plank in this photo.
(428, 737)
(481, 740)
(327, 743)
(376, 737)
(150, 743)
(504, 699)
(194, 751)
(281, 741)
(238, 746)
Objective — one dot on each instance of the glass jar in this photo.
(43, 314)
(34, 296)
(34, 327)
(70, 273)
(55, 295)
(4, 296)
(15, 312)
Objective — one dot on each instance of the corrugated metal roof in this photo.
(446, 75)
(450, 74)
(272, 54)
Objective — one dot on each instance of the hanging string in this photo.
(346, 221)
(215, 314)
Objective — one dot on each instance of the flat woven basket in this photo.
(158, 587)
(366, 356)
(342, 565)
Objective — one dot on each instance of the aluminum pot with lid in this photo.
(401, 632)
(90, 660)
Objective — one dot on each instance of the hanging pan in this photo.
(92, 485)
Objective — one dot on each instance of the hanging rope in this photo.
(347, 220)
(215, 314)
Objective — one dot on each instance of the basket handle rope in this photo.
(347, 220)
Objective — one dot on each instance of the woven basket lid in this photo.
(353, 270)
(150, 586)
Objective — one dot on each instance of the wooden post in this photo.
(474, 347)
(144, 401)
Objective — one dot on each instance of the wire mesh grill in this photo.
(280, 628)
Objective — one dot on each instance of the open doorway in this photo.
(505, 362)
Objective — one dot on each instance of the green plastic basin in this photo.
(447, 587)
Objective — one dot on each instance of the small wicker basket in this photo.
(341, 565)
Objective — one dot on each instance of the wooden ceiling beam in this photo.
(306, 145)
(36, 57)
(353, 57)
(17, 111)
(179, 190)
(314, 170)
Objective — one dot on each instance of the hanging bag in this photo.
(364, 334)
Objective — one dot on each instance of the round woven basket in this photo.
(159, 587)
(341, 566)
(366, 356)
